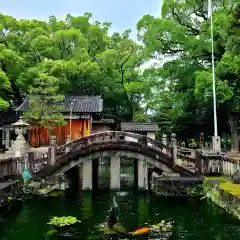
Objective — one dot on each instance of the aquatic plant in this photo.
(163, 226)
(63, 221)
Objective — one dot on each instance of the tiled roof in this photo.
(8, 117)
(104, 121)
(139, 127)
(80, 104)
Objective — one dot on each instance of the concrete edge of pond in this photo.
(177, 186)
(222, 198)
(210, 187)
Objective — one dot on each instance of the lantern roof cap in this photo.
(20, 122)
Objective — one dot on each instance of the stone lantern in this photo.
(20, 146)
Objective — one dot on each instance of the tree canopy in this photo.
(182, 37)
(48, 60)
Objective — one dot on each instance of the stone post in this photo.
(164, 141)
(201, 140)
(174, 147)
(7, 139)
(216, 144)
(142, 175)
(26, 161)
(115, 172)
(87, 174)
(68, 141)
(53, 147)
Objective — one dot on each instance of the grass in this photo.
(227, 185)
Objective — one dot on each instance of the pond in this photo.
(193, 219)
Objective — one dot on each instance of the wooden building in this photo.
(144, 128)
(103, 125)
(79, 113)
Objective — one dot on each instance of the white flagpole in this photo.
(213, 71)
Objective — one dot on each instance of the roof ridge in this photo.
(89, 104)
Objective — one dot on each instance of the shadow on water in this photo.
(193, 219)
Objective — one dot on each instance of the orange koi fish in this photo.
(140, 231)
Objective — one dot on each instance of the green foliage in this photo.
(49, 60)
(182, 38)
(75, 56)
(225, 194)
(44, 101)
(196, 191)
(63, 221)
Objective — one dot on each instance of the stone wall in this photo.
(225, 199)
(171, 185)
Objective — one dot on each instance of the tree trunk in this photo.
(233, 124)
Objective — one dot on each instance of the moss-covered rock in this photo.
(224, 193)
(117, 229)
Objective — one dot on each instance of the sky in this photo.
(123, 14)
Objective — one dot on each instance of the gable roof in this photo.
(80, 104)
(8, 117)
(139, 127)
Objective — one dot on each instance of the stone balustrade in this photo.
(190, 159)
(111, 136)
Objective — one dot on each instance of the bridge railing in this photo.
(8, 167)
(36, 160)
(189, 159)
(111, 136)
(208, 164)
(219, 164)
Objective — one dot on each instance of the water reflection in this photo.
(143, 214)
(193, 220)
(86, 208)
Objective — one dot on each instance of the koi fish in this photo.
(141, 231)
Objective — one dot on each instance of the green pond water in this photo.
(193, 219)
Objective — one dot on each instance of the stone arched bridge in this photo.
(112, 143)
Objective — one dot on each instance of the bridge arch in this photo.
(113, 153)
(112, 143)
(111, 140)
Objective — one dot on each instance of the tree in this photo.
(45, 102)
(48, 60)
(183, 36)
